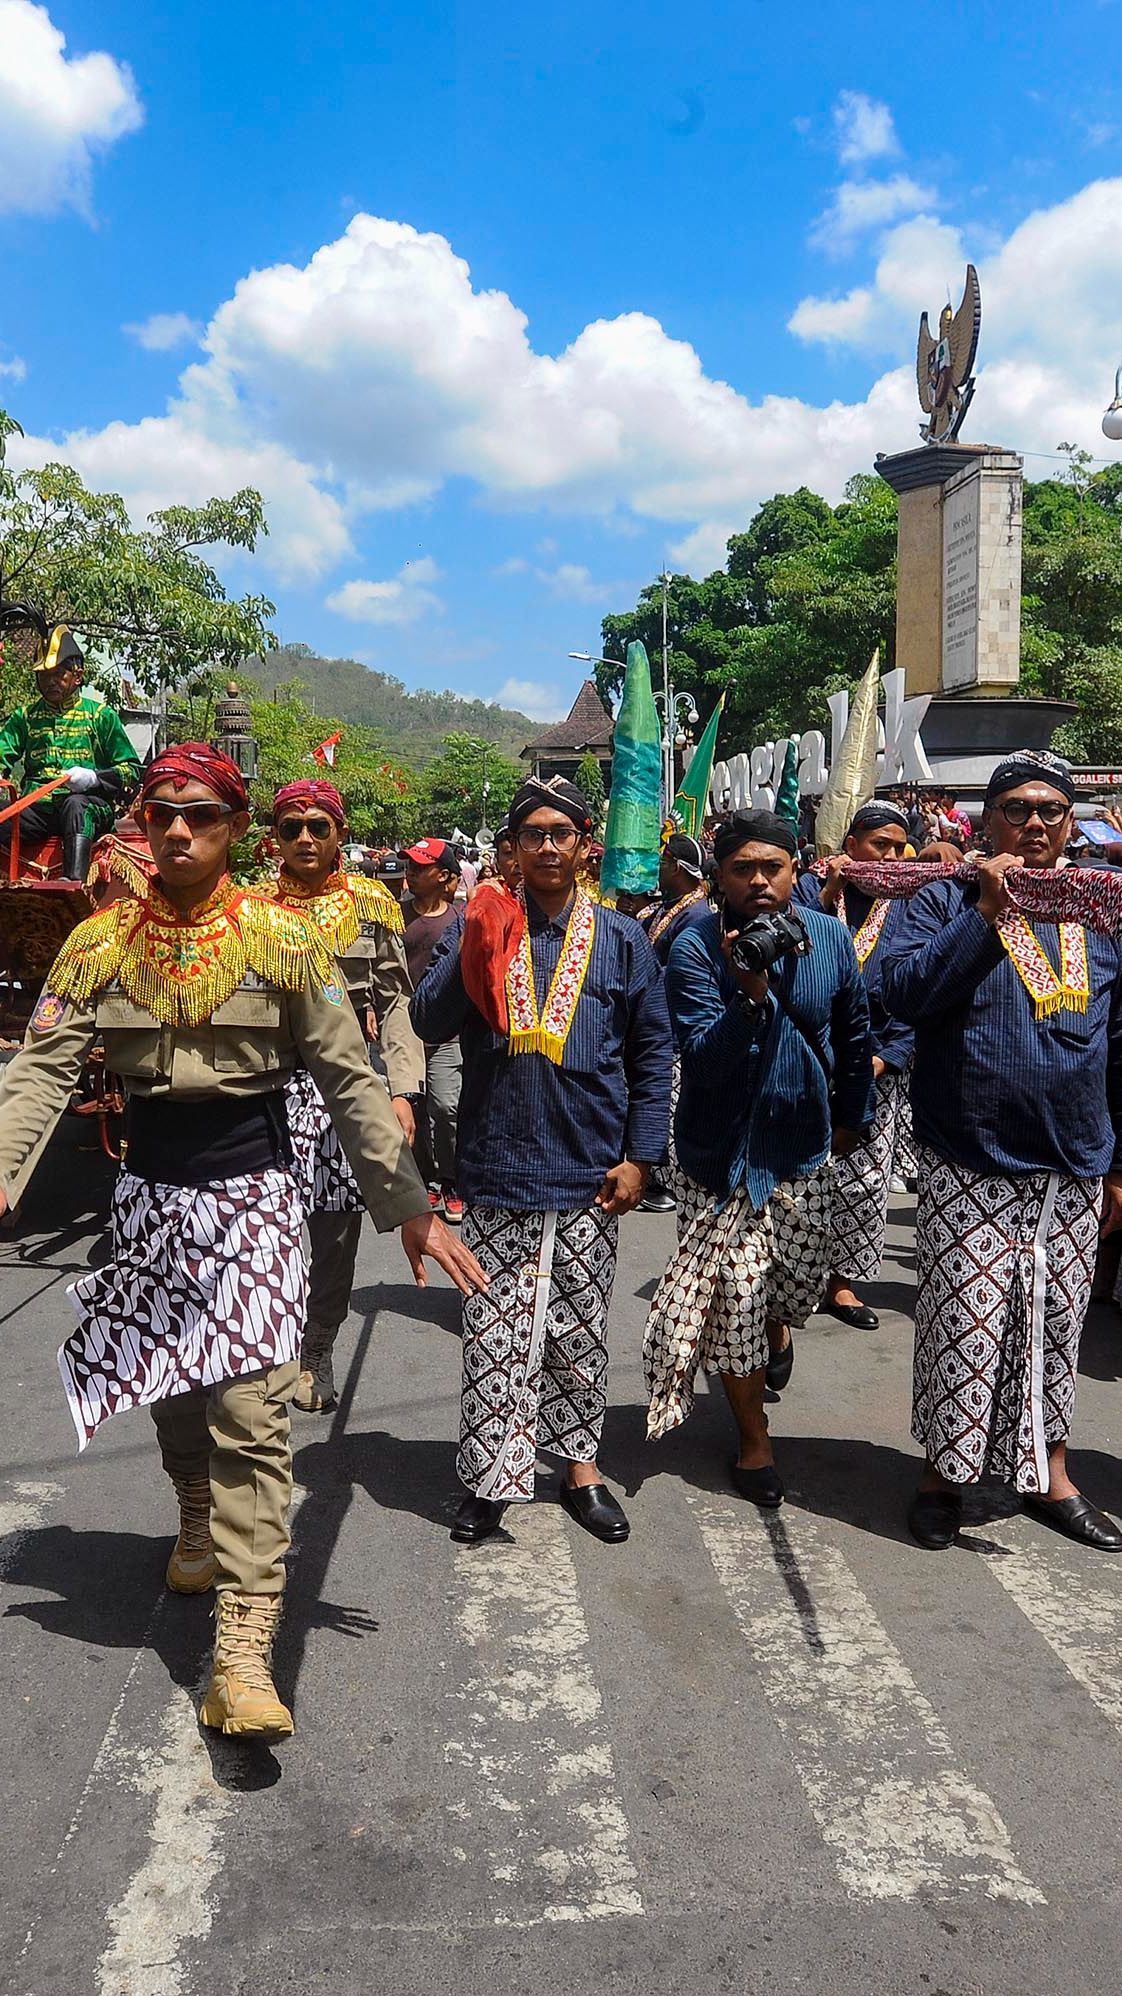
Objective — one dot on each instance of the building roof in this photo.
(588, 726)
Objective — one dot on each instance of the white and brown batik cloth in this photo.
(205, 1283)
(861, 1187)
(535, 1355)
(1005, 1267)
(735, 1270)
(327, 1183)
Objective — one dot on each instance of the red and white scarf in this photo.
(547, 1032)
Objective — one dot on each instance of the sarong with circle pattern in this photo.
(861, 1187)
(905, 1164)
(535, 1354)
(1005, 1266)
(327, 1183)
(205, 1283)
(735, 1269)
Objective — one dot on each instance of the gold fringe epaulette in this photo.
(90, 957)
(182, 971)
(375, 903)
(342, 905)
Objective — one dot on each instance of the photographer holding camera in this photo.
(772, 1019)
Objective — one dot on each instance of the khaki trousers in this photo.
(237, 1433)
(334, 1239)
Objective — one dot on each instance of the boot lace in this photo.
(193, 1493)
(246, 1628)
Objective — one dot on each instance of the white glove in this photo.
(82, 779)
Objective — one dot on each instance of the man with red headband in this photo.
(362, 925)
(205, 996)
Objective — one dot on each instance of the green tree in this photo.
(380, 796)
(590, 780)
(1071, 610)
(808, 594)
(147, 602)
(450, 788)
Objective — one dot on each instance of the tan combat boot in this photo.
(315, 1388)
(192, 1566)
(241, 1698)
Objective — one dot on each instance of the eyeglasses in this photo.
(160, 814)
(561, 837)
(291, 828)
(1019, 810)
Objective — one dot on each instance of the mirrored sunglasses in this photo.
(161, 814)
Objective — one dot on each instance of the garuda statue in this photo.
(943, 365)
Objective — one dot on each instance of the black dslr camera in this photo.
(762, 942)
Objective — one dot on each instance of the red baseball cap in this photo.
(432, 852)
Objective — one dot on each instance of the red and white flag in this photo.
(325, 753)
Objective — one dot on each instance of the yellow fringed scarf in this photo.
(340, 906)
(181, 968)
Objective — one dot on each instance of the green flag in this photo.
(689, 807)
(631, 841)
(787, 795)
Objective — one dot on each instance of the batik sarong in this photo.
(205, 1283)
(1005, 1267)
(861, 1187)
(535, 1355)
(327, 1183)
(905, 1164)
(736, 1270)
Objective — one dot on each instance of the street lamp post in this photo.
(1112, 416)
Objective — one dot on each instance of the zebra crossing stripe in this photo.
(1080, 1622)
(875, 1764)
(544, 1800)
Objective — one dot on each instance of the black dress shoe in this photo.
(656, 1199)
(476, 1519)
(594, 1507)
(780, 1365)
(857, 1315)
(934, 1517)
(1078, 1519)
(761, 1486)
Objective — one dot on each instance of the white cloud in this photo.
(55, 113)
(703, 551)
(163, 331)
(539, 699)
(516, 565)
(571, 581)
(861, 205)
(864, 128)
(14, 369)
(402, 600)
(376, 373)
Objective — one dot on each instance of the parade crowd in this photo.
(501, 1068)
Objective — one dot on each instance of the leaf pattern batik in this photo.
(547, 1033)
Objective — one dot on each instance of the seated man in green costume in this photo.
(58, 733)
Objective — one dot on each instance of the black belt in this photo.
(195, 1142)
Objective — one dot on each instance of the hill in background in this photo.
(411, 725)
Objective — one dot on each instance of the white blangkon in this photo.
(168, 1901)
(874, 1761)
(1080, 1621)
(545, 1804)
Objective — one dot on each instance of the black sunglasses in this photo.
(291, 828)
(561, 837)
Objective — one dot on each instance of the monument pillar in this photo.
(958, 600)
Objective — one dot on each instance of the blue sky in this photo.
(502, 314)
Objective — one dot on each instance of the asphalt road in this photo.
(730, 1755)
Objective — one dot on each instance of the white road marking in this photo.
(19, 1514)
(1079, 1620)
(545, 1805)
(167, 1901)
(874, 1762)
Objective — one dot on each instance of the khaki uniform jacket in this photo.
(248, 1046)
(376, 975)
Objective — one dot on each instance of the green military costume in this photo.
(81, 737)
